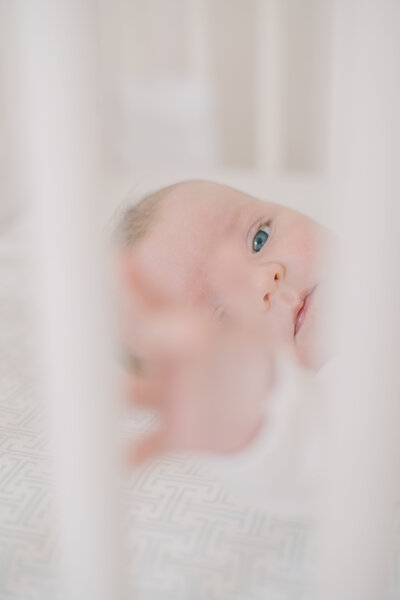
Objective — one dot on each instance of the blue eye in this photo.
(261, 238)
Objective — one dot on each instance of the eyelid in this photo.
(253, 230)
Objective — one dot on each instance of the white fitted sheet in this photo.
(188, 537)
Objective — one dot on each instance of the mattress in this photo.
(188, 537)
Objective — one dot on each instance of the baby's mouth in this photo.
(301, 309)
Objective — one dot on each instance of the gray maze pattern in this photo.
(207, 544)
(187, 536)
(27, 565)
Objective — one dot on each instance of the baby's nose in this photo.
(269, 282)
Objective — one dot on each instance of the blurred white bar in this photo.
(292, 84)
(364, 480)
(269, 86)
(61, 139)
(232, 27)
(197, 42)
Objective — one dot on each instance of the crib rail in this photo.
(364, 476)
(60, 125)
(61, 141)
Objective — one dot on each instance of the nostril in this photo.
(276, 277)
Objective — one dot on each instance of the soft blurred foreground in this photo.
(101, 103)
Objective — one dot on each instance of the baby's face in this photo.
(278, 257)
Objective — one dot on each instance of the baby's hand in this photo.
(208, 380)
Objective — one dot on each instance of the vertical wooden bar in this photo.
(292, 84)
(269, 79)
(232, 25)
(197, 42)
(364, 477)
(63, 167)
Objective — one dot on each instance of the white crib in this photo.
(334, 64)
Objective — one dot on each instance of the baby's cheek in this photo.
(306, 247)
(300, 252)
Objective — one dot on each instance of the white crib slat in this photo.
(63, 170)
(269, 86)
(292, 84)
(364, 480)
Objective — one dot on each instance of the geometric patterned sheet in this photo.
(205, 544)
(188, 536)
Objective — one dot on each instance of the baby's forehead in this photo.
(179, 249)
(204, 207)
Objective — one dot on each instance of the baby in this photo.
(218, 284)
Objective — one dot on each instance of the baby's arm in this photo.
(218, 391)
(209, 388)
(208, 381)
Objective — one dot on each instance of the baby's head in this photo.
(179, 233)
